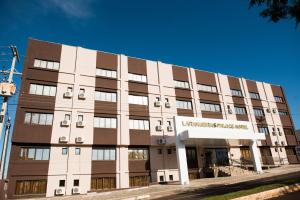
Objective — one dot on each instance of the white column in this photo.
(181, 160)
(255, 157)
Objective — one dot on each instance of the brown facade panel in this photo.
(267, 141)
(103, 167)
(40, 103)
(281, 106)
(252, 86)
(105, 107)
(242, 117)
(286, 120)
(139, 165)
(205, 78)
(212, 115)
(105, 136)
(291, 140)
(137, 87)
(209, 97)
(137, 66)
(183, 93)
(277, 91)
(139, 137)
(234, 83)
(185, 112)
(180, 73)
(138, 110)
(107, 61)
(256, 103)
(107, 83)
(238, 100)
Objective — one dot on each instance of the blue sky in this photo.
(214, 35)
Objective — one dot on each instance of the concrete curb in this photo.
(271, 193)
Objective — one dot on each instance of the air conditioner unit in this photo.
(162, 141)
(159, 128)
(63, 139)
(79, 140)
(282, 143)
(273, 133)
(75, 190)
(81, 96)
(60, 191)
(65, 122)
(167, 105)
(157, 103)
(80, 124)
(229, 111)
(268, 110)
(279, 133)
(68, 94)
(274, 110)
(170, 128)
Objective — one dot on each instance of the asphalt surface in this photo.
(223, 189)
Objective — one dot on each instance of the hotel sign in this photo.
(192, 127)
(214, 125)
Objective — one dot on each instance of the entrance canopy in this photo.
(215, 132)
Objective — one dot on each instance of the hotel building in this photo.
(94, 121)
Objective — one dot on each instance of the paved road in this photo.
(223, 189)
(290, 196)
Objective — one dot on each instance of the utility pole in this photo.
(3, 156)
(7, 89)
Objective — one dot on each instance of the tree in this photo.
(279, 9)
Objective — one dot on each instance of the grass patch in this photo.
(254, 190)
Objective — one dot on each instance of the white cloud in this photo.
(81, 9)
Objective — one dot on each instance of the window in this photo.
(46, 64)
(264, 130)
(254, 95)
(288, 131)
(139, 124)
(207, 88)
(184, 104)
(103, 122)
(140, 100)
(62, 183)
(104, 154)
(181, 84)
(159, 151)
(31, 153)
(30, 187)
(43, 90)
(137, 77)
(77, 151)
(137, 154)
(278, 99)
(76, 183)
(240, 110)
(138, 181)
(161, 178)
(171, 177)
(103, 183)
(80, 118)
(64, 151)
(106, 96)
(169, 151)
(237, 93)
(38, 118)
(283, 113)
(258, 112)
(210, 107)
(106, 73)
(67, 117)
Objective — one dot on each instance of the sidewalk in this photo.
(158, 191)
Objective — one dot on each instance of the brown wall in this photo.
(107, 61)
(139, 137)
